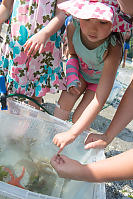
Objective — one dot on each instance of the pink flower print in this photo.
(53, 90)
(40, 15)
(91, 72)
(15, 29)
(23, 80)
(20, 91)
(14, 73)
(23, 19)
(57, 59)
(79, 6)
(56, 81)
(21, 59)
(47, 8)
(86, 69)
(43, 91)
(31, 73)
(99, 11)
(23, 10)
(62, 84)
(83, 64)
(34, 64)
(49, 47)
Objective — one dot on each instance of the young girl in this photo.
(95, 48)
(31, 56)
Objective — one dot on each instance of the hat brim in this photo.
(83, 9)
(87, 10)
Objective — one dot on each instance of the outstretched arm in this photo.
(123, 116)
(119, 167)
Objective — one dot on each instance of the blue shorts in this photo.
(126, 46)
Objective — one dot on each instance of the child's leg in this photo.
(67, 101)
(38, 99)
(87, 98)
(65, 105)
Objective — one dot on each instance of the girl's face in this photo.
(95, 30)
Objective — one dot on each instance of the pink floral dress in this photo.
(40, 73)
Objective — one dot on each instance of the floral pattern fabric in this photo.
(36, 74)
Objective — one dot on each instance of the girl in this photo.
(95, 48)
(31, 54)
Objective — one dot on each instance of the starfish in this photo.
(15, 180)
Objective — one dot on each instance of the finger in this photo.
(41, 48)
(31, 50)
(27, 46)
(95, 145)
(61, 147)
(36, 49)
(58, 153)
(89, 138)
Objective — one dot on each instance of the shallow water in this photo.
(26, 149)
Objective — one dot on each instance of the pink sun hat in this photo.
(99, 9)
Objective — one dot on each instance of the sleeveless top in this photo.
(90, 61)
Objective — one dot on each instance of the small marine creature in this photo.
(3, 173)
(15, 180)
(42, 177)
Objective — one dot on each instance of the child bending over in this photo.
(95, 47)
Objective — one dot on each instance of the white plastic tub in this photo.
(26, 142)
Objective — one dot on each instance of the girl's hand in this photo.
(94, 140)
(35, 43)
(66, 167)
(63, 139)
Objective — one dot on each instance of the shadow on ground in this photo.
(100, 124)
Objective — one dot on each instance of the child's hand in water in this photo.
(94, 140)
(63, 139)
(67, 168)
(35, 43)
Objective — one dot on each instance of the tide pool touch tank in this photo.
(25, 151)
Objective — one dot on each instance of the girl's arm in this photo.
(123, 116)
(119, 167)
(111, 64)
(37, 41)
(5, 10)
(126, 6)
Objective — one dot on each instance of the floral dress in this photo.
(36, 74)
